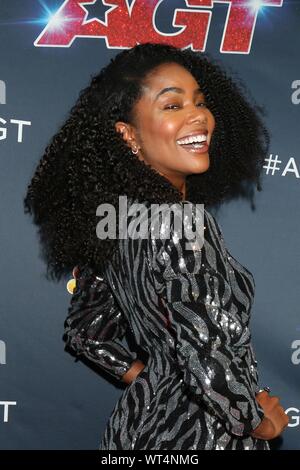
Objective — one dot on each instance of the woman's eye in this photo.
(173, 106)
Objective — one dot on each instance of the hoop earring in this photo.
(135, 151)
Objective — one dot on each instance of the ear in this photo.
(127, 132)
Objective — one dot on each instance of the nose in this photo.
(197, 115)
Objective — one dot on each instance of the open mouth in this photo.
(197, 143)
(193, 146)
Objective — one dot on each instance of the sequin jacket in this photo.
(190, 311)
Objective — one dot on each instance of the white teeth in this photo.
(191, 139)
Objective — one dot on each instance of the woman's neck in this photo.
(178, 182)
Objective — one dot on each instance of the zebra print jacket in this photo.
(186, 309)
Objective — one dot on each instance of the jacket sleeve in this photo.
(210, 340)
(95, 326)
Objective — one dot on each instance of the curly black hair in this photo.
(88, 163)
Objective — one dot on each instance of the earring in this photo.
(71, 285)
(135, 151)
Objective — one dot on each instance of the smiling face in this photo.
(171, 108)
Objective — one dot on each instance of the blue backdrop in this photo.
(49, 50)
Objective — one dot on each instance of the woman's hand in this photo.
(136, 367)
(275, 420)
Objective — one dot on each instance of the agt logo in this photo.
(4, 404)
(18, 122)
(127, 23)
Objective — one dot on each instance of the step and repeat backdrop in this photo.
(48, 51)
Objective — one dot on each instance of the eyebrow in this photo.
(176, 89)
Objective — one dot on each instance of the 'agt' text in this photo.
(127, 24)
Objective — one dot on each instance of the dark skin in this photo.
(159, 122)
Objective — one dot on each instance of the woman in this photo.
(167, 126)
